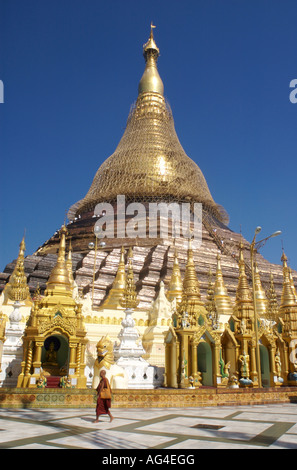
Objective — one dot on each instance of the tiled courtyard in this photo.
(224, 427)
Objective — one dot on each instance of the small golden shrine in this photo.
(191, 334)
(55, 337)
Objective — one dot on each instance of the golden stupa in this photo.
(148, 165)
(199, 331)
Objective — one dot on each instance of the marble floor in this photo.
(224, 427)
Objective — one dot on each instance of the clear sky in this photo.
(71, 68)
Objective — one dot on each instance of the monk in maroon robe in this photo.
(103, 404)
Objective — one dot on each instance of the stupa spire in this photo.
(244, 305)
(151, 81)
(176, 284)
(272, 307)
(18, 287)
(243, 293)
(129, 300)
(211, 307)
(288, 298)
(149, 163)
(117, 290)
(222, 298)
(261, 299)
(191, 289)
(59, 278)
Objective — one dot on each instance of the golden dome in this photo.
(149, 163)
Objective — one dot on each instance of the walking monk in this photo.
(103, 397)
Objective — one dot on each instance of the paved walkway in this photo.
(226, 427)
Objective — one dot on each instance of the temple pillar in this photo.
(273, 375)
(217, 378)
(194, 362)
(28, 364)
(286, 364)
(253, 371)
(173, 365)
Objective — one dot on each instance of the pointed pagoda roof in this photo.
(129, 299)
(288, 297)
(222, 299)
(175, 287)
(59, 280)
(117, 291)
(243, 293)
(261, 299)
(18, 289)
(149, 163)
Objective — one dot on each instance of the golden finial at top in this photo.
(152, 27)
(150, 44)
(151, 81)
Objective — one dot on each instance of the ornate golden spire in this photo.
(175, 288)
(243, 293)
(151, 81)
(18, 287)
(59, 278)
(149, 163)
(222, 298)
(210, 305)
(117, 290)
(272, 307)
(261, 299)
(191, 289)
(287, 298)
(129, 299)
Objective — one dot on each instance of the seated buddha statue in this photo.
(51, 364)
(51, 355)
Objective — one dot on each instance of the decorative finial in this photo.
(151, 81)
(152, 27)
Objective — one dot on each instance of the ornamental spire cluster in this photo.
(18, 289)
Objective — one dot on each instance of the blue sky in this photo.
(71, 69)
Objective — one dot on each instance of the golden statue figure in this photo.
(51, 356)
(278, 364)
(116, 375)
(42, 381)
(65, 382)
(244, 368)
